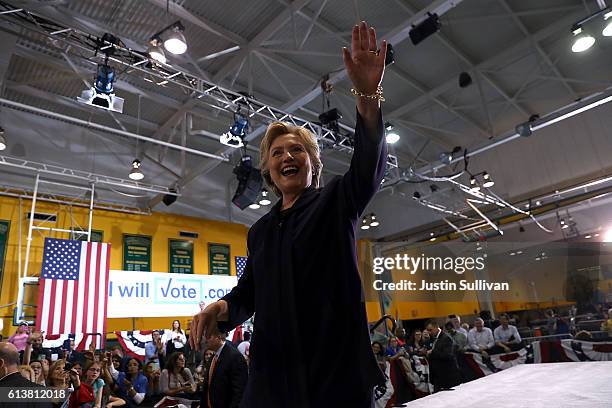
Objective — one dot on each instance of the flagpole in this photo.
(90, 212)
(29, 243)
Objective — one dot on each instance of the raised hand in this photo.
(365, 63)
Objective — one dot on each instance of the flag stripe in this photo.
(95, 299)
(52, 305)
(57, 312)
(41, 304)
(107, 275)
(75, 307)
(86, 292)
(101, 299)
(62, 323)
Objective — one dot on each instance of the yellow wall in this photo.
(159, 226)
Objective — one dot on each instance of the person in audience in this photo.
(563, 324)
(132, 385)
(176, 379)
(58, 377)
(116, 362)
(154, 350)
(20, 338)
(456, 321)
(175, 339)
(466, 327)
(426, 340)
(244, 346)
(551, 322)
(459, 339)
(34, 349)
(394, 351)
(37, 369)
(385, 367)
(10, 377)
(583, 335)
(506, 335)
(27, 372)
(227, 376)
(607, 324)
(153, 374)
(443, 368)
(379, 353)
(416, 345)
(88, 390)
(201, 371)
(480, 338)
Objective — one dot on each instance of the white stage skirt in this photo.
(550, 385)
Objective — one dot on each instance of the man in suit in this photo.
(11, 378)
(227, 376)
(443, 369)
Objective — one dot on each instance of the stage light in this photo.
(416, 195)
(155, 51)
(249, 183)
(364, 224)
(465, 80)
(424, 29)
(607, 31)
(488, 182)
(473, 184)
(2, 139)
(432, 239)
(608, 236)
(264, 198)
(236, 133)
(254, 206)
(391, 136)
(582, 41)
(101, 94)
(136, 173)
(175, 41)
(373, 221)
(588, 236)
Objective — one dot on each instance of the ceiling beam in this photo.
(498, 59)
(272, 27)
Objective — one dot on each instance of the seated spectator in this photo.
(394, 351)
(37, 369)
(244, 346)
(416, 344)
(20, 338)
(175, 339)
(27, 373)
(583, 335)
(506, 335)
(132, 385)
(58, 378)
(153, 374)
(480, 338)
(459, 339)
(87, 390)
(456, 321)
(607, 325)
(176, 379)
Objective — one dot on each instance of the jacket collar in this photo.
(303, 200)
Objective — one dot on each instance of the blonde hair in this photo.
(30, 371)
(305, 136)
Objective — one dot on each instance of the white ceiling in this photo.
(517, 52)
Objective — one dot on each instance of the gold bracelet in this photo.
(378, 95)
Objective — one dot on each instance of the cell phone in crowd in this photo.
(68, 366)
(155, 365)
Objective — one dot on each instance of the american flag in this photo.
(240, 265)
(73, 290)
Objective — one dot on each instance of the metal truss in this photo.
(69, 200)
(85, 176)
(83, 45)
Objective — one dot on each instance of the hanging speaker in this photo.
(250, 183)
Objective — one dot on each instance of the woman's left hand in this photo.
(365, 64)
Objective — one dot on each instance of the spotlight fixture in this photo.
(582, 41)
(264, 198)
(175, 41)
(474, 184)
(249, 183)
(136, 173)
(391, 136)
(607, 31)
(234, 137)
(155, 50)
(2, 139)
(102, 93)
(433, 188)
(373, 221)
(364, 224)
(447, 157)
(488, 182)
(416, 195)
(424, 29)
(432, 239)
(254, 206)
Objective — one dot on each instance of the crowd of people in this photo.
(112, 378)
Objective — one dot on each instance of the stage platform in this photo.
(551, 385)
